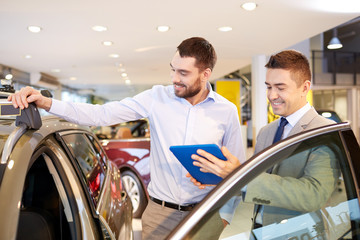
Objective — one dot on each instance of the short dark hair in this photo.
(200, 49)
(294, 61)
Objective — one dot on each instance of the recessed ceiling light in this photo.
(72, 78)
(225, 29)
(249, 6)
(163, 28)
(99, 28)
(114, 55)
(124, 74)
(107, 43)
(8, 76)
(34, 29)
(55, 70)
(127, 81)
(27, 56)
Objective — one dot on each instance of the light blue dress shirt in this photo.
(294, 118)
(173, 121)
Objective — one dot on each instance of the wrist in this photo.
(47, 103)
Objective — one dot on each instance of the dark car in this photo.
(128, 146)
(56, 181)
(335, 217)
(330, 115)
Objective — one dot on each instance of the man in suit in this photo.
(304, 181)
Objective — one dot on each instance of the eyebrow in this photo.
(276, 84)
(180, 70)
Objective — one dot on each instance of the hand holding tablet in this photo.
(183, 154)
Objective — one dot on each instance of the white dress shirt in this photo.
(173, 121)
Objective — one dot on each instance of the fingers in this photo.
(22, 98)
(228, 154)
(207, 155)
(195, 182)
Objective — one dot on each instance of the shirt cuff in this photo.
(227, 211)
(56, 107)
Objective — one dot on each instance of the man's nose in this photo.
(174, 77)
(272, 94)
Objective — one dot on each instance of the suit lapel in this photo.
(302, 124)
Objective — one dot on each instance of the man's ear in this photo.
(206, 74)
(306, 87)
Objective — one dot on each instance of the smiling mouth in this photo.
(177, 85)
(276, 103)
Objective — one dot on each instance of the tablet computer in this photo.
(183, 154)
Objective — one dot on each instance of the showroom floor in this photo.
(136, 224)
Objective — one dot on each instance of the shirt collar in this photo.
(211, 94)
(295, 117)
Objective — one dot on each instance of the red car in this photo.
(128, 146)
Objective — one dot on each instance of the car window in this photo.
(90, 159)
(127, 130)
(45, 205)
(320, 203)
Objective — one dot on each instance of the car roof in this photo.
(11, 132)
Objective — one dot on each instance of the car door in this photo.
(109, 201)
(322, 202)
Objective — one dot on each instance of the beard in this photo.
(189, 91)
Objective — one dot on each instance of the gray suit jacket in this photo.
(301, 183)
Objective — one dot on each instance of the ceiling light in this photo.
(55, 70)
(27, 56)
(114, 55)
(334, 42)
(326, 114)
(124, 74)
(72, 78)
(34, 29)
(225, 29)
(127, 81)
(8, 76)
(98, 28)
(249, 6)
(163, 28)
(107, 43)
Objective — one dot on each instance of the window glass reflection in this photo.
(309, 194)
(90, 161)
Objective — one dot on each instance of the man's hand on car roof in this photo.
(27, 95)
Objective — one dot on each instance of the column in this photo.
(258, 94)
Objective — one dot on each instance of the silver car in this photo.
(56, 181)
(335, 217)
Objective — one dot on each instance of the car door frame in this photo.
(260, 163)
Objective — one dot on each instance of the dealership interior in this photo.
(126, 48)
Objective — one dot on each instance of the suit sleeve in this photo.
(306, 192)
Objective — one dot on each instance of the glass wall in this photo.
(335, 100)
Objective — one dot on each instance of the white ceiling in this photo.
(68, 43)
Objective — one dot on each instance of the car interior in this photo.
(123, 133)
(42, 213)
